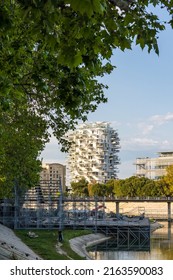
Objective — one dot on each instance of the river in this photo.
(161, 247)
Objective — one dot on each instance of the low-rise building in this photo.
(154, 168)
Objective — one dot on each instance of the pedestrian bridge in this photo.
(41, 208)
(118, 200)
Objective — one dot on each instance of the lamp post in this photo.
(60, 212)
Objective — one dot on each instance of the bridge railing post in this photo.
(117, 207)
(96, 214)
(169, 211)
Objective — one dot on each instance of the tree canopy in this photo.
(53, 51)
(130, 187)
(137, 186)
(80, 188)
(166, 182)
(51, 55)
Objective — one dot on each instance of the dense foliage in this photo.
(166, 182)
(130, 187)
(137, 186)
(19, 146)
(51, 55)
(80, 188)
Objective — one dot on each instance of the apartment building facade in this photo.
(93, 152)
(46, 193)
(53, 172)
(154, 168)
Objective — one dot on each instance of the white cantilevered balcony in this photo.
(93, 146)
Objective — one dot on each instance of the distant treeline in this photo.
(131, 187)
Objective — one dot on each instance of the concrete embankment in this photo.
(11, 247)
(79, 244)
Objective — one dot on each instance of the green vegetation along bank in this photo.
(46, 244)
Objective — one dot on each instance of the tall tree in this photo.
(46, 54)
(24, 136)
(53, 51)
(46, 51)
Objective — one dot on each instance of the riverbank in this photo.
(11, 246)
(80, 244)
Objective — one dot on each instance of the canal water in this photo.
(161, 247)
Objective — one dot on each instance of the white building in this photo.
(154, 168)
(93, 152)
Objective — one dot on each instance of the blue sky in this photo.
(140, 105)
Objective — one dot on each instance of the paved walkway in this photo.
(11, 247)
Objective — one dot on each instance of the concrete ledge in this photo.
(79, 244)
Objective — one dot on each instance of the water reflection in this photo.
(161, 247)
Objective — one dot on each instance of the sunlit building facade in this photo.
(53, 172)
(93, 152)
(154, 168)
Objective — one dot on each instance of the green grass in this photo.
(44, 244)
